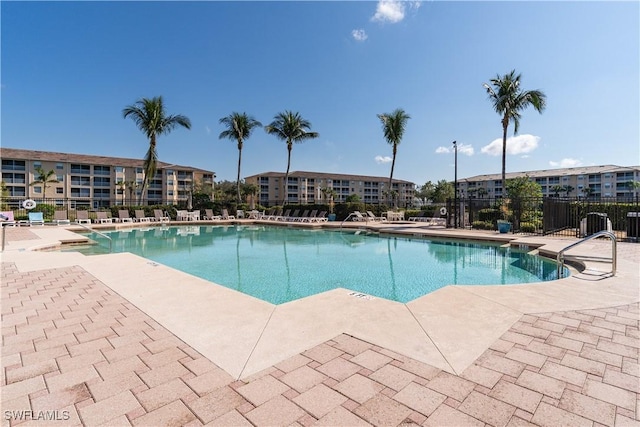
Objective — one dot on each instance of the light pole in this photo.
(455, 186)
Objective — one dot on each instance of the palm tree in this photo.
(132, 186)
(44, 178)
(508, 100)
(290, 127)
(568, 189)
(150, 117)
(393, 126)
(239, 127)
(557, 189)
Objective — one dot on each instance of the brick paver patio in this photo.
(75, 351)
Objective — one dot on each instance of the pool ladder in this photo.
(614, 256)
(98, 233)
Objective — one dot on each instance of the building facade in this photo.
(95, 181)
(606, 181)
(306, 188)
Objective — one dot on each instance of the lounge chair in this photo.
(311, 216)
(240, 214)
(301, 218)
(356, 216)
(226, 216)
(160, 216)
(7, 219)
(103, 218)
(36, 218)
(372, 217)
(420, 217)
(321, 217)
(82, 217)
(140, 217)
(123, 216)
(208, 214)
(293, 216)
(61, 218)
(283, 216)
(182, 215)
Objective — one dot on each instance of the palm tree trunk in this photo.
(393, 164)
(238, 179)
(505, 125)
(285, 185)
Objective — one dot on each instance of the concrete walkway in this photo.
(75, 351)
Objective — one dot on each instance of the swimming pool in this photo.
(281, 264)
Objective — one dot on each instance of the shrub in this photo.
(482, 225)
(528, 227)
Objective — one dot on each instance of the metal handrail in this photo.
(97, 232)
(614, 254)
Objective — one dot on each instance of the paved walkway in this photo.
(74, 350)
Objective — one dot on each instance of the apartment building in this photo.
(601, 181)
(95, 181)
(306, 187)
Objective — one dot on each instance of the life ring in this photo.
(443, 211)
(29, 204)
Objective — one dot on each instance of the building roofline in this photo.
(312, 174)
(54, 156)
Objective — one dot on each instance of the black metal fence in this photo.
(575, 217)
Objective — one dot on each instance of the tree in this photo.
(587, 191)
(425, 191)
(239, 127)
(393, 127)
(509, 100)
(131, 186)
(329, 194)
(290, 127)
(557, 189)
(442, 191)
(482, 192)
(250, 190)
(568, 189)
(44, 178)
(151, 118)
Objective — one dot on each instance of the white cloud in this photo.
(208, 130)
(359, 35)
(389, 11)
(520, 144)
(566, 163)
(465, 149)
(380, 159)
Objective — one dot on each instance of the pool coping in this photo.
(447, 329)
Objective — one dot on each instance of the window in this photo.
(59, 166)
(17, 191)
(138, 170)
(102, 170)
(80, 169)
(84, 181)
(80, 192)
(37, 190)
(119, 169)
(13, 165)
(102, 193)
(14, 178)
(169, 182)
(101, 181)
(60, 178)
(37, 165)
(59, 190)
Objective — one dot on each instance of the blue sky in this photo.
(69, 68)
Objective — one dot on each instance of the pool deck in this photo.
(119, 340)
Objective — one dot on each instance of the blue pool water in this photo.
(279, 264)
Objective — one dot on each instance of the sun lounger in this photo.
(311, 216)
(208, 215)
(7, 219)
(372, 217)
(284, 216)
(123, 216)
(61, 218)
(102, 218)
(301, 218)
(140, 217)
(226, 216)
(293, 216)
(36, 218)
(82, 217)
(160, 216)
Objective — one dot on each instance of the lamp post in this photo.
(455, 186)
